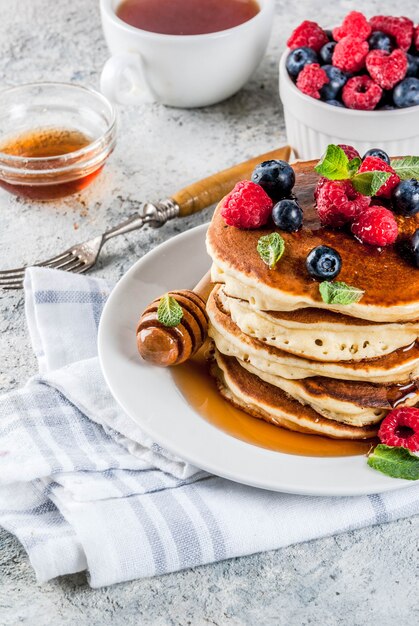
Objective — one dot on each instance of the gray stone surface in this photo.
(350, 579)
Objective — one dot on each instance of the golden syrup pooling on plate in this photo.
(200, 391)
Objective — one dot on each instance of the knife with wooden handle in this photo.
(196, 196)
(210, 190)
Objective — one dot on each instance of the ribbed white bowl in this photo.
(311, 124)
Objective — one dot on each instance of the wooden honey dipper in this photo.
(166, 344)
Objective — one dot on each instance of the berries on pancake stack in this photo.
(347, 186)
(350, 151)
(247, 206)
(338, 203)
(406, 197)
(324, 263)
(401, 428)
(287, 215)
(376, 226)
(375, 164)
(414, 248)
(276, 177)
(377, 152)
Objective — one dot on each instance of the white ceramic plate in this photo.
(150, 397)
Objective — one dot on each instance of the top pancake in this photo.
(390, 282)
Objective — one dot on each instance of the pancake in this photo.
(319, 334)
(390, 282)
(401, 366)
(264, 401)
(350, 402)
(284, 355)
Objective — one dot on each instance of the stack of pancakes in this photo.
(284, 355)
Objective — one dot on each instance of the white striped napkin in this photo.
(83, 488)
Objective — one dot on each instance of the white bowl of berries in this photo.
(357, 84)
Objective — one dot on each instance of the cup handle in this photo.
(123, 79)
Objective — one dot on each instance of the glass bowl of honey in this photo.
(54, 138)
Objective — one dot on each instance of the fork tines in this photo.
(68, 261)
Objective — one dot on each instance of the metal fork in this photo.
(81, 257)
(191, 199)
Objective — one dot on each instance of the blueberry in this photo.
(323, 263)
(406, 197)
(406, 93)
(326, 52)
(377, 152)
(386, 99)
(414, 247)
(299, 58)
(380, 41)
(329, 35)
(336, 103)
(277, 178)
(287, 215)
(337, 79)
(412, 65)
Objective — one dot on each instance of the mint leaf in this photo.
(339, 293)
(408, 167)
(368, 183)
(394, 462)
(169, 312)
(353, 166)
(333, 164)
(271, 248)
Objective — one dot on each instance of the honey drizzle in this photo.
(200, 391)
(401, 393)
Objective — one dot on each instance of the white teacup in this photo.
(181, 70)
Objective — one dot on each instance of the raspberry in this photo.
(311, 79)
(349, 54)
(371, 164)
(322, 181)
(387, 69)
(355, 24)
(376, 226)
(416, 38)
(401, 428)
(350, 151)
(308, 34)
(400, 28)
(338, 202)
(247, 206)
(361, 92)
